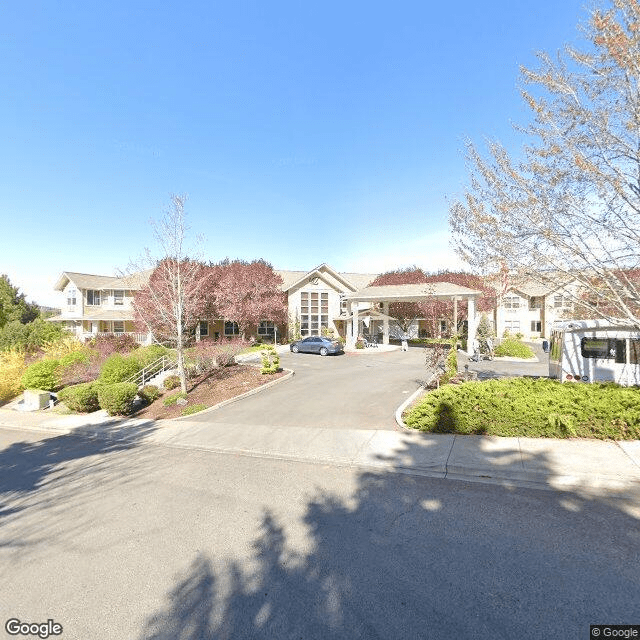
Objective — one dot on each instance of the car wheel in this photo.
(324, 351)
(295, 348)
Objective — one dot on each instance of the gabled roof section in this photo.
(352, 281)
(92, 281)
(413, 292)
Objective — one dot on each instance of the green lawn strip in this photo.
(530, 408)
(253, 349)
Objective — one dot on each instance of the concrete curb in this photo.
(246, 394)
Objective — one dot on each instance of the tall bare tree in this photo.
(570, 208)
(175, 296)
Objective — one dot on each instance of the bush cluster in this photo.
(173, 398)
(43, 374)
(171, 382)
(514, 348)
(12, 366)
(149, 393)
(81, 397)
(270, 360)
(530, 408)
(117, 399)
(31, 336)
(118, 368)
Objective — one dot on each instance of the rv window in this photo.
(597, 348)
(606, 348)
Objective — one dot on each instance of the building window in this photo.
(634, 351)
(231, 329)
(93, 297)
(71, 297)
(535, 302)
(511, 302)
(118, 326)
(512, 326)
(204, 328)
(314, 312)
(560, 301)
(536, 326)
(266, 328)
(343, 305)
(443, 326)
(118, 297)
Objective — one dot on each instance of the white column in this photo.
(385, 323)
(471, 325)
(351, 343)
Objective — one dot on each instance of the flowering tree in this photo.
(404, 313)
(175, 297)
(247, 293)
(570, 210)
(433, 310)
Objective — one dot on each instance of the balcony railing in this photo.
(140, 338)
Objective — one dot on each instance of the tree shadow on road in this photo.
(416, 557)
(39, 478)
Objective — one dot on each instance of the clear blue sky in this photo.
(302, 132)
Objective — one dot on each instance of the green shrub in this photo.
(74, 357)
(270, 360)
(194, 408)
(173, 398)
(81, 397)
(359, 344)
(118, 368)
(146, 355)
(117, 399)
(171, 382)
(149, 393)
(513, 348)
(30, 336)
(451, 364)
(531, 408)
(43, 374)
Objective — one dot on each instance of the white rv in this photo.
(595, 351)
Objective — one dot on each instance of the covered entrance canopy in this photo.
(407, 293)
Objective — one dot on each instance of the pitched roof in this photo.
(352, 280)
(92, 281)
(413, 292)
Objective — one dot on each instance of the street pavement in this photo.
(117, 539)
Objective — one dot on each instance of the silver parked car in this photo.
(317, 344)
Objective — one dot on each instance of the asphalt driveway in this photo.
(351, 391)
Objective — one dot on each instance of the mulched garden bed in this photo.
(209, 389)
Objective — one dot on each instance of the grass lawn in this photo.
(530, 408)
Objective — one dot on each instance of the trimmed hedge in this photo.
(171, 382)
(149, 393)
(117, 399)
(118, 368)
(514, 348)
(81, 397)
(530, 408)
(42, 375)
(146, 355)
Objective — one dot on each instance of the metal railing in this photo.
(151, 370)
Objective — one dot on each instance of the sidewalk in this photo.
(590, 465)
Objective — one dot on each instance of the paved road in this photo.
(353, 391)
(118, 540)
